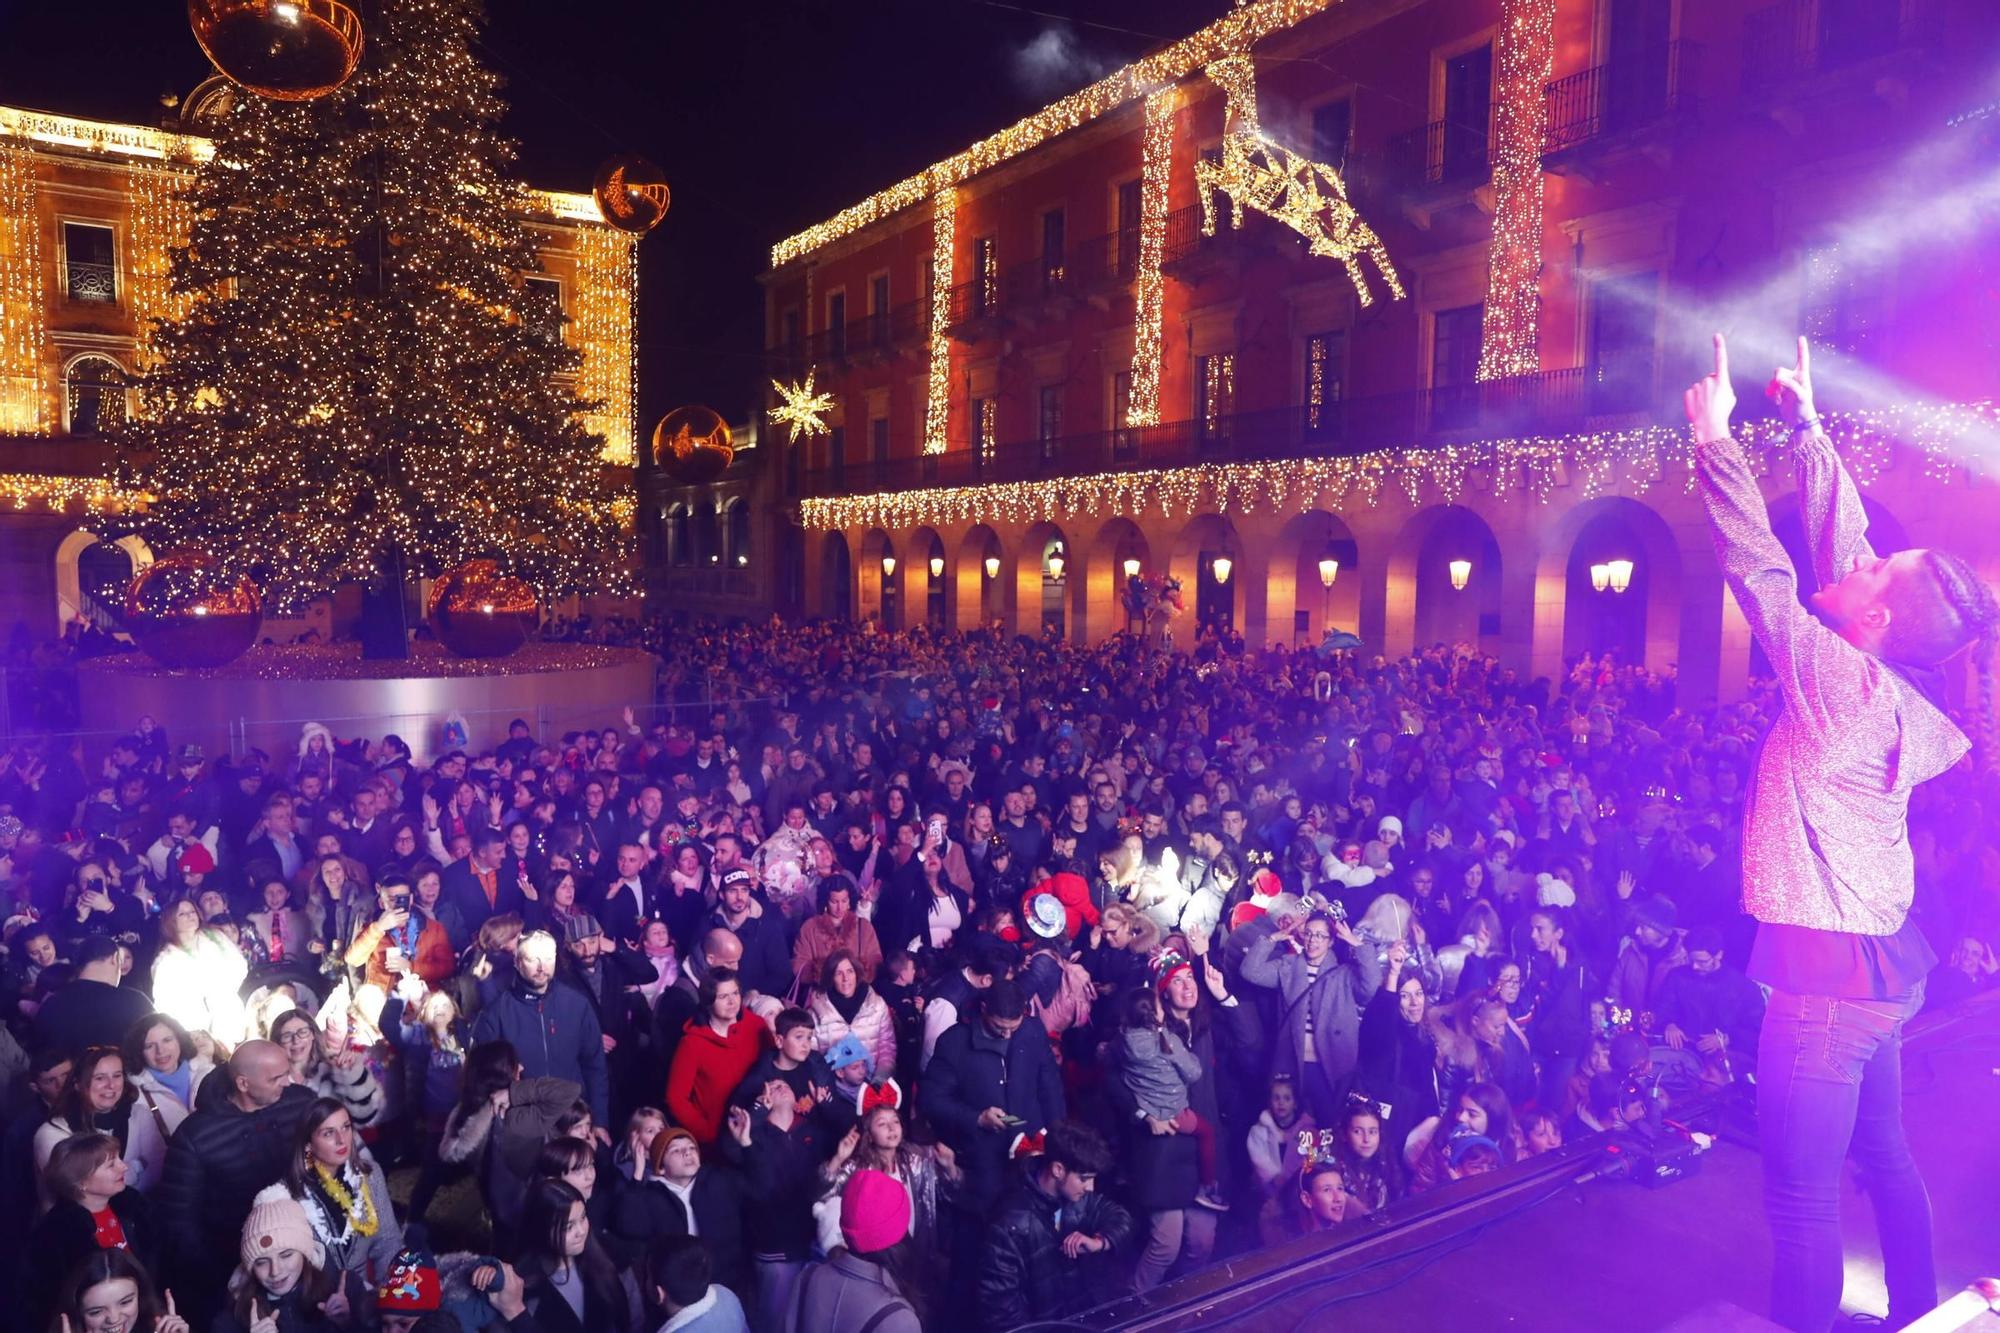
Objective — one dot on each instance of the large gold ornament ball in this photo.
(291, 50)
(477, 610)
(632, 193)
(692, 445)
(185, 610)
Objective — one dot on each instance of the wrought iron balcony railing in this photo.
(1444, 153)
(1626, 94)
(91, 282)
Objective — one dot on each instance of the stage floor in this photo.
(1611, 1255)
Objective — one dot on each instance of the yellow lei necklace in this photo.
(364, 1221)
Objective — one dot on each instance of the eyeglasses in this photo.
(1322, 936)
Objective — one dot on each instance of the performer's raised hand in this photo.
(1791, 389)
(1710, 400)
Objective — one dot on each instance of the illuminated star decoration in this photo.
(803, 411)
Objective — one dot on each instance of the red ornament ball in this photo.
(290, 50)
(692, 444)
(185, 610)
(632, 194)
(475, 610)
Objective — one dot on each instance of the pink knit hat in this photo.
(874, 1212)
(277, 1222)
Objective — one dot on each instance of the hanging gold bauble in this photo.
(692, 445)
(632, 193)
(291, 50)
(185, 611)
(475, 610)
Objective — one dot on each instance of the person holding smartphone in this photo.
(402, 941)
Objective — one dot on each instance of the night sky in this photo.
(767, 115)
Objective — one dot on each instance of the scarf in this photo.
(849, 1005)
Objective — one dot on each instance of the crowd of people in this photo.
(974, 963)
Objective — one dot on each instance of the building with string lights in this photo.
(89, 212)
(1376, 315)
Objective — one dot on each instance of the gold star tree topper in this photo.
(803, 412)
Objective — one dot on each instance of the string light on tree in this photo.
(802, 412)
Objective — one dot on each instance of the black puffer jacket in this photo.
(216, 1162)
(1024, 1275)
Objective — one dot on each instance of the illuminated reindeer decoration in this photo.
(1305, 195)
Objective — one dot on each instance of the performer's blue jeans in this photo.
(1830, 1085)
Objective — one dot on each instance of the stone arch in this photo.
(1040, 598)
(836, 577)
(927, 588)
(980, 597)
(95, 396)
(1641, 624)
(1097, 598)
(1201, 543)
(680, 534)
(1422, 606)
(1298, 605)
(879, 579)
(90, 573)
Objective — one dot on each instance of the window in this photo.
(1332, 126)
(1325, 372)
(1130, 205)
(94, 395)
(680, 536)
(1052, 248)
(878, 308)
(90, 263)
(737, 532)
(1048, 420)
(1468, 106)
(836, 324)
(1215, 377)
(789, 334)
(1455, 365)
(986, 274)
(878, 447)
(1621, 342)
(836, 452)
(541, 309)
(986, 427)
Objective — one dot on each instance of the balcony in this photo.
(1444, 155)
(1553, 401)
(1801, 39)
(1189, 253)
(1623, 104)
(871, 337)
(96, 283)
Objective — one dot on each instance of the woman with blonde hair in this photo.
(1120, 945)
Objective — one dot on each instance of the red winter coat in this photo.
(706, 1070)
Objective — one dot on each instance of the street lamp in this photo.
(1329, 570)
(992, 566)
(1600, 577)
(1222, 564)
(1132, 566)
(888, 566)
(1621, 575)
(1461, 574)
(937, 566)
(1056, 565)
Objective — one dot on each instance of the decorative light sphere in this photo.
(475, 610)
(185, 611)
(290, 50)
(632, 193)
(693, 445)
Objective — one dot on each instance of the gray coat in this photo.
(841, 1294)
(1337, 999)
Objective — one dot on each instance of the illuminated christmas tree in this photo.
(354, 394)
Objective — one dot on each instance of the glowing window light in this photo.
(1461, 574)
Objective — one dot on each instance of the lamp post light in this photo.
(888, 566)
(1461, 574)
(1621, 575)
(1132, 566)
(1600, 577)
(1222, 564)
(1329, 570)
(992, 566)
(937, 566)
(1056, 566)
